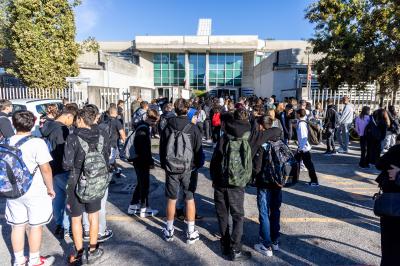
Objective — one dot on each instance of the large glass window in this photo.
(197, 73)
(225, 69)
(169, 69)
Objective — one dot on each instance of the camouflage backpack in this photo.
(237, 163)
(94, 180)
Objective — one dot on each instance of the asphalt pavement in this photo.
(332, 224)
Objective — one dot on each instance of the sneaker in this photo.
(94, 255)
(263, 250)
(240, 255)
(340, 150)
(146, 212)
(108, 233)
(21, 264)
(44, 261)
(192, 237)
(313, 184)
(132, 209)
(86, 236)
(275, 246)
(168, 234)
(59, 232)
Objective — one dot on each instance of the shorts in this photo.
(77, 208)
(187, 182)
(29, 209)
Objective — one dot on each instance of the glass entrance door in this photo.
(164, 93)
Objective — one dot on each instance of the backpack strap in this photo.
(84, 145)
(187, 128)
(21, 141)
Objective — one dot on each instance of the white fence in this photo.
(358, 98)
(35, 93)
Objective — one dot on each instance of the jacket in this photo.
(178, 123)
(235, 128)
(142, 143)
(331, 117)
(74, 154)
(56, 133)
(257, 139)
(389, 158)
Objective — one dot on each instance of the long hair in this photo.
(364, 112)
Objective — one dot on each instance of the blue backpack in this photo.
(15, 178)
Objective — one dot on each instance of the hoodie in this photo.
(257, 139)
(56, 134)
(235, 128)
(178, 123)
(74, 154)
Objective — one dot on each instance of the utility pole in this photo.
(309, 72)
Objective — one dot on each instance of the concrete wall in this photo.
(248, 67)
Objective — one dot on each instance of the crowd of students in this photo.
(72, 165)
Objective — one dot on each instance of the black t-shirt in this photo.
(6, 129)
(115, 127)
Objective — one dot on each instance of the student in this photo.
(116, 131)
(331, 120)
(33, 209)
(229, 199)
(286, 117)
(345, 122)
(120, 109)
(74, 156)
(56, 133)
(143, 163)
(269, 195)
(304, 147)
(105, 233)
(167, 113)
(139, 114)
(180, 126)
(361, 123)
(6, 129)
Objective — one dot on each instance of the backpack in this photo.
(279, 165)
(179, 154)
(372, 131)
(315, 132)
(394, 126)
(216, 120)
(162, 124)
(137, 116)
(15, 178)
(237, 164)
(94, 179)
(128, 152)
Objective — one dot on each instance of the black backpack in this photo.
(279, 165)
(372, 131)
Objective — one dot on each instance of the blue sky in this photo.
(124, 19)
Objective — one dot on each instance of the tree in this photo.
(360, 40)
(41, 36)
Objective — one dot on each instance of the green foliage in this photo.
(360, 40)
(41, 35)
(89, 45)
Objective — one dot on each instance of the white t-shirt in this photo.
(34, 152)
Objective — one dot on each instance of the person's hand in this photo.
(51, 193)
(393, 172)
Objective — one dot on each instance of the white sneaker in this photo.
(275, 246)
(22, 263)
(263, 250)
(132, 209)
(44, 261)
(146, 212)
(168, 234)
(192, 237)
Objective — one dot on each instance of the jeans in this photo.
(141, 193)
(102, 216)
(269, 202)
(207, 129)
(216, 133)
(61, 216)
(344, 136)
(330, 140)
(306, 158)
(230, 201)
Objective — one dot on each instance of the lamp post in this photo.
(309, 72)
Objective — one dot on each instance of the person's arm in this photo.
(47, 175)
(6, 128)
(122, 134)
(357, 125)
(197, 147)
